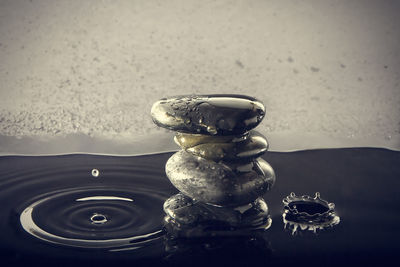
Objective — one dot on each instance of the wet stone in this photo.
(183, 210)
(209, 114)
(219, 172)
(185, 140)
(223, 183)
(253, 146)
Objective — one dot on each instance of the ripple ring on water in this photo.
(99, 219)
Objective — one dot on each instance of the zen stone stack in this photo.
(219, 171)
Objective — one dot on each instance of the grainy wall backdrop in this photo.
(323, 68)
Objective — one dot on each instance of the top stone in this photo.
(221, 114)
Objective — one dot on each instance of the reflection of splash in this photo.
(308, 214)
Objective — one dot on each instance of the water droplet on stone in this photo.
(214, 177)
(219, 172)
(211, 130)
(224, 114)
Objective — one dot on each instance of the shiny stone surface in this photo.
(252, 147)
(221, 183)
(209, 114)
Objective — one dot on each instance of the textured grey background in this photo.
(326, 70)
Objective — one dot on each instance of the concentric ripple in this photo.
(58, 200)
(94, 218)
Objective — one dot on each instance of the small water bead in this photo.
(98, 218)
(95, 173)
(212, 130)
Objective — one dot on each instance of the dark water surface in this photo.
(79, 216)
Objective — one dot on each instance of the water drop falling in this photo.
(95, 173)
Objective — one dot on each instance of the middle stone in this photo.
(222, 183)
(228, 148)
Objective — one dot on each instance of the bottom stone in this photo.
(188, 218)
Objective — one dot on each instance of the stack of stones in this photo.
(219, 172)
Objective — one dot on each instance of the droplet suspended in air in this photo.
(95, 173)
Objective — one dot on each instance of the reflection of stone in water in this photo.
(218, 251)
(189, 218)
(219, 171)
(308, 214)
